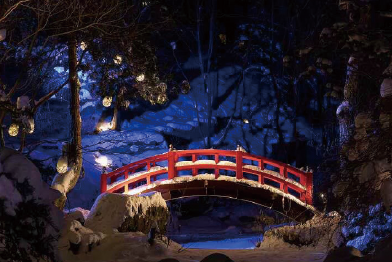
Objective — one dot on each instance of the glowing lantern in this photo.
(13, 130)
(107, 101)
(3, 34)
(140, 78)
(162, 87)
(103, 161)
(83, 45)
(105, 126)
(62, 164)
(117, 60)
(162, 99)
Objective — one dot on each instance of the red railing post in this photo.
(238, 159)
(126, 174)
(104, 183)
(194, 170)
(217, 168)
(261, 164)
(309, 188)
(171, 165)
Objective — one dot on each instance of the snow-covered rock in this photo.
(116, 212)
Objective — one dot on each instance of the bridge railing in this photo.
(284, 177)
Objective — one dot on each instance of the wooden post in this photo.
(148, 166)
(104, 182)
(148, 178)
(238, 159)
(171, 165)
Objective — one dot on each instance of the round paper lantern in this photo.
(140, 78)
(107, 101)
(13, 130)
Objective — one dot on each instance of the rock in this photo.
(78, 238)
(216, 257)
(383, 251)
(344, 254)
(78, 214)
(385, 120)
(352, 154)
(339, 188)
(362, 146)
(365, 172)
(386, 87)
(117, 212)
(360, 133)
(363, 120)
(386, 194)
(382, 166)
(169, 260)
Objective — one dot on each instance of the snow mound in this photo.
(110, 211)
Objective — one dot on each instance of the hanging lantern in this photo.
(23, 103)
(162, 86)
(13, 130)
(31, 125)
(162, 98)
(83, 46)
(107, 101)
(140, 78)
(117, 60)
(185, 87)
(62, 164)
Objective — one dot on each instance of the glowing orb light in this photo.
(83, 45)
(117, 60)
(107, 101)
(13, 130)
(62, 164)
(140, 78)
(162, 98)
(102, 161)
(105, 126)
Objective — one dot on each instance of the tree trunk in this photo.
(2, 115)
(66, 182)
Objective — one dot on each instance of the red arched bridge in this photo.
(234, 174)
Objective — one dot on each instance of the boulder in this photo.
(386, 194)
(344, 254)
(365, 172)
(113, 213)
(363, 120)
(216, 257)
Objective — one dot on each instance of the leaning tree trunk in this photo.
(344, 111)
(65, 182)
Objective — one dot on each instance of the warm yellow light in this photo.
(13, 130)
(105, 126)
(62, 164)
(107, 101)
(83, 45)
(31, 125)
(162, 98)
(103, 161)
(140, 78)
(117, 60)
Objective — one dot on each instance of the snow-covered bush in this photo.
(29, 222)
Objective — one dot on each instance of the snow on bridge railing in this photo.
(286, 178)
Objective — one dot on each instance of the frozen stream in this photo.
(247, 241)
